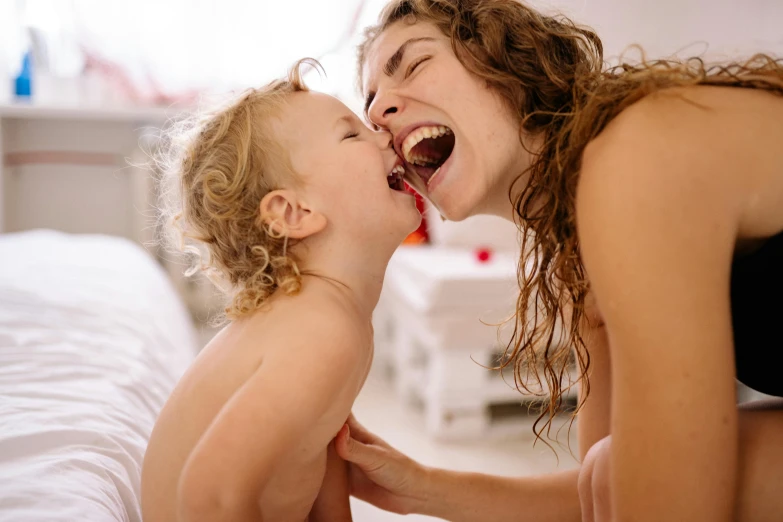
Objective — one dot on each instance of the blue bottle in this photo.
(24, 82)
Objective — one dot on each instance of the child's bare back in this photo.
(220, 407)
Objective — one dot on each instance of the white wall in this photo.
(722, 28)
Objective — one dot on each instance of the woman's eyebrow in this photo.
(393, 63)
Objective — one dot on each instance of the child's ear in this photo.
(287, 215)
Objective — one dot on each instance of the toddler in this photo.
(295, 208)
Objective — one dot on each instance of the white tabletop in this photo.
(432, 278)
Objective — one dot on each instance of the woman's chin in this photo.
(455, 216)
(453, 201)
(452, 204)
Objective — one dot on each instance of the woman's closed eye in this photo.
(412, 67)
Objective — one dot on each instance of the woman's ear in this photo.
(287, 215)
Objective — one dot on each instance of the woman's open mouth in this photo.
(426, 148)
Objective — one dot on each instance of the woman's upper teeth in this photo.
(419, 134)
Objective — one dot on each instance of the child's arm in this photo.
(266, 418)
(332, 504)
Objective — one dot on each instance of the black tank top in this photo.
(757, 316)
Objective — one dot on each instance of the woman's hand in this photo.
(378, 473)
(386, 478)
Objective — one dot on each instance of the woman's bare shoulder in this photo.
(714, 139)
(697, 116)
(699, 119)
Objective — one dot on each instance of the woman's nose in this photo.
(383, 109)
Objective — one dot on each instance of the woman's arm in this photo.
(473, 497)
(594, 416)
(658, 214)
(386, 478)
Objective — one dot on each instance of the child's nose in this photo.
(384, 139)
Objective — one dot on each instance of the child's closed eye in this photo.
(351, 134)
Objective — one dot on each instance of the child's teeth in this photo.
(397, 170)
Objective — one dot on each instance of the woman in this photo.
(654, 195)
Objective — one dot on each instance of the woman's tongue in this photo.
(426, 159)
(425, 173)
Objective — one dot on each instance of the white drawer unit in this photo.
(436, 326)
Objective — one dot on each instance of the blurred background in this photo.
(86, 86)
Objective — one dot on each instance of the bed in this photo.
(93, 338)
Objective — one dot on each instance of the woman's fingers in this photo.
(379, 474)
(366, 455)
(360, 433)
(365, 489)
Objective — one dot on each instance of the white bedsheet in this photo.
(92, 340)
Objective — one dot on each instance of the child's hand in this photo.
(378, 473)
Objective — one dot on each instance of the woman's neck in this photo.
(502, 201)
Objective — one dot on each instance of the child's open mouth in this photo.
(395, 178)
(427, 148)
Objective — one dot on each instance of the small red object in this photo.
(483, 255)
(420, 235)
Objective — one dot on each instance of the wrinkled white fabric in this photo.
(92, 340)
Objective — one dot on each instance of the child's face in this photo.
(345, 168)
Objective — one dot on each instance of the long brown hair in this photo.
(551, 73)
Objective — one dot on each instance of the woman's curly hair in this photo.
(217, 167)
(551, 74)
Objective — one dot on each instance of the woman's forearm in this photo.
(471, 497)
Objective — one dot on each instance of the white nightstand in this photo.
(434, 332)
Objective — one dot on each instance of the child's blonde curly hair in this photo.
(217, 168)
